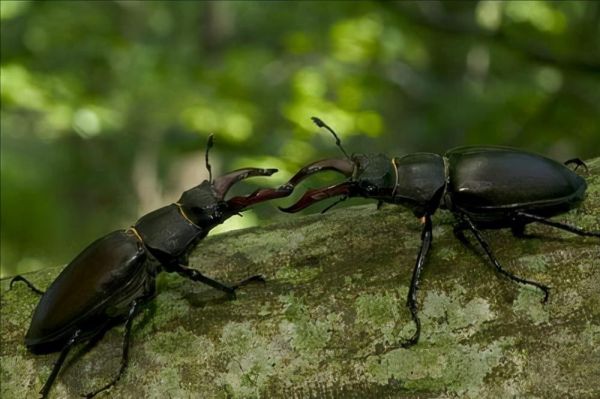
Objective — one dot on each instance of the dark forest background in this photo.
(107, 105)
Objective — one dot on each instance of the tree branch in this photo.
(336, 291)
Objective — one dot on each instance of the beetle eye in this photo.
(370, 188)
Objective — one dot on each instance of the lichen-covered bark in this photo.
(335, 292)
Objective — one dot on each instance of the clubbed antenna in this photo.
(209, 145)
(338, 142)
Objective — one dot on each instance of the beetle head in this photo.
(205, 204)
(369, 176)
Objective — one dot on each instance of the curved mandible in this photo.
(319, 194)
(343, 166)
(222, 184)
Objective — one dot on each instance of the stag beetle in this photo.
(484, 187)
(114, 276)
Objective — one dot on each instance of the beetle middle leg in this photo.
(471, 226)
(135, 305)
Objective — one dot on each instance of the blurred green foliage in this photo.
(106, 105)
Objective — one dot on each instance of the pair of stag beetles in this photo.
(483, 187)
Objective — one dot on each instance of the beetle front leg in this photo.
(411, 301)
(195, 275)
(469, 223)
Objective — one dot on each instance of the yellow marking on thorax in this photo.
(136, 234)
(395, 165)
(182, 212)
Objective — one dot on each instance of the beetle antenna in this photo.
(338, 142)
(342, 199)
(209, 145)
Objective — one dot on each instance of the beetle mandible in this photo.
(484, 187)
(114, 276)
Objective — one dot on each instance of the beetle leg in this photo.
(57, 365)
(563, 226)
(29, 284)
(411, 300)
(195, 275)
(125, 356)
(497, 265)
(577, 162)
(257, 278)
(458, 231)
(342, 199)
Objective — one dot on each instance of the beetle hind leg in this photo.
(29, 284)
(125, 354)
(58, 364)
(577, 162)
(483, 243)
(563, 226)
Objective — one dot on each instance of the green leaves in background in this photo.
(106, 106)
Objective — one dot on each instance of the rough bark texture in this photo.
(335, 292)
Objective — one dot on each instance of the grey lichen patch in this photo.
(446, 318)
(570, 301)
(251, 360)
(379, 315)
(19, 377)
(529, 302)
(534, 263)
(297, 275)
(308, 332)
(447, 253)
(170, 306)
(16, 310)
(457, 369)
(172, 347)
(166, 383)
(591, 335)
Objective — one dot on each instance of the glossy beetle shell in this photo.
(489, 182)
(97, 286)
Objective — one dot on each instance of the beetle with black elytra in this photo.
(485, 187)
(113, 277)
